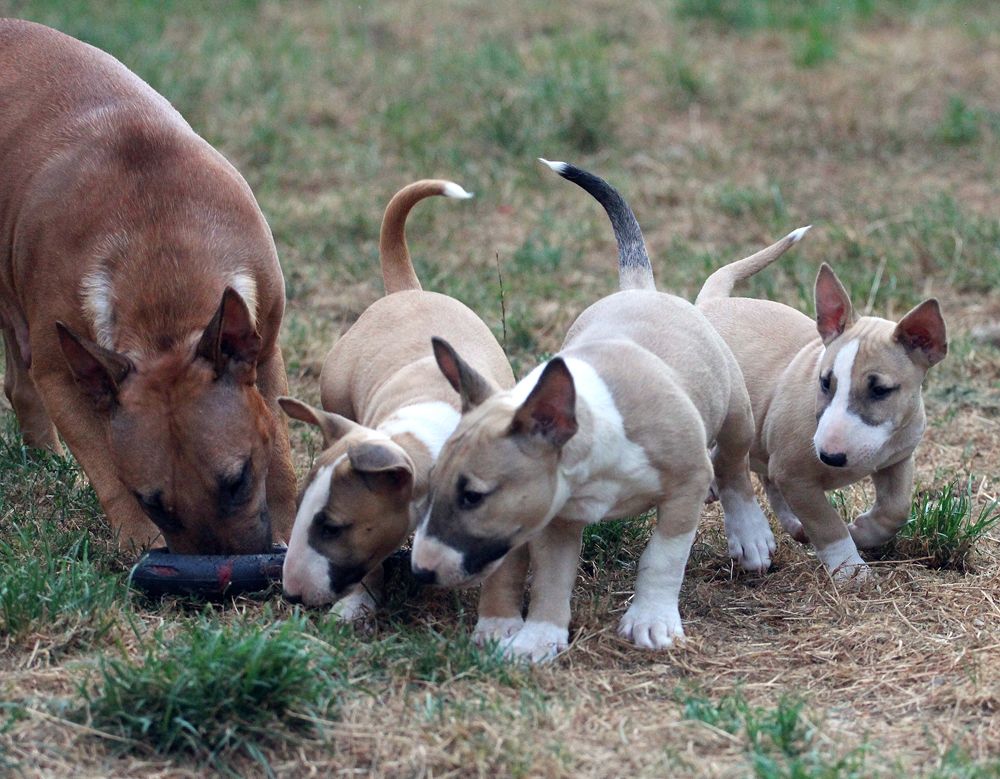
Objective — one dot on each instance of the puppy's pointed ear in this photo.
(923, 334)
(333, 426)
(464, 379)
(97, 371)
(834, 313)
(550, 410)
(383, 468)
(230, 341)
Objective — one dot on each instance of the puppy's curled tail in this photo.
(394, 255)
(634, 270)
(720, 284)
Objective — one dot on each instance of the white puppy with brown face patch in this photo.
(831, 408)
(619, 421)
(368, 487)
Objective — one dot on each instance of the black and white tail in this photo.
(634, 270)
(720, 284)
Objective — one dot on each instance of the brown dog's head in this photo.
(496, 480)
(189, 434)
(353, 512)
(868, 401)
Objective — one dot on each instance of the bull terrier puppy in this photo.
(620, 420)
(830, 407)
(368, 488)
(140, 301)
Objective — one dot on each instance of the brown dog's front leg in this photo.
(893, 497)
(281, 485)
(555, 556)
(501, 597)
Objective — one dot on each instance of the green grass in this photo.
(778, 741)
(944, 526)
(615, 544)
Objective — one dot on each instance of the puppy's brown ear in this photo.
(230, 341)
(923, 334)
(383, 468)
(333, 426)
(464, 379)
(834, 312)
(550, 410)
(97, 371)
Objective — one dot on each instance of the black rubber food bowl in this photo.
(212, 577)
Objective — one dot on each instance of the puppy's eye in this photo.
(825, 381)
(325, 529)
(469, 499)
(879, 391)
(234, 491)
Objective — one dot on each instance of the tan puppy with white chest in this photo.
(367, 489)
(619, 421)
(831, 408)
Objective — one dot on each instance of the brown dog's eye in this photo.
(152, 506)
(234, 491)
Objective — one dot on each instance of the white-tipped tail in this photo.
(558, 167)
(451, 189)
(720, 284)
(797, 235)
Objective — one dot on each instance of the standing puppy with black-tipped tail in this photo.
(835, 399)
(619, 421)
(387, 412)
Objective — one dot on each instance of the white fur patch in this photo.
(356, 606)
(841, 431)
(750, 539)
(614, 477)
(495, 629)
(451, 189)
(246, 286)
(431, 554)
(98, 302)
(537, 641)
(841, 559)
(558, 167)
(653, 621)
(797, 235)
(306, 573)
(431, 423)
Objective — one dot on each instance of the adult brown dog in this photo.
(140, 300)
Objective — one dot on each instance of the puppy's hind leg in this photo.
(785, 515)
(751, 542)
(653, 621)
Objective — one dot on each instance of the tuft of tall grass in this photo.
(214, 691)
(944, 526)
(615, 544)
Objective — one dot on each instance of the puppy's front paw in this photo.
(651, 626)
(752, 546)
(841, 558)
(852, 574)
(536, 642)
(495, 629)
(357, 606)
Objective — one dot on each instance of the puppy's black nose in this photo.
(293, 599)
(838, 460)
(424, 575)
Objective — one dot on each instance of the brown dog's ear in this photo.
(333, 426)
(922, 333)
(383, 468)
(231, 342)
(550, 409)
(834, 312)
(97, 371)
(464, 379)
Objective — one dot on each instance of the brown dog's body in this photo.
(368, 487)
(122, 224)
(864, 419)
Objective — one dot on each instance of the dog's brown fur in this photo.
(122, 225)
